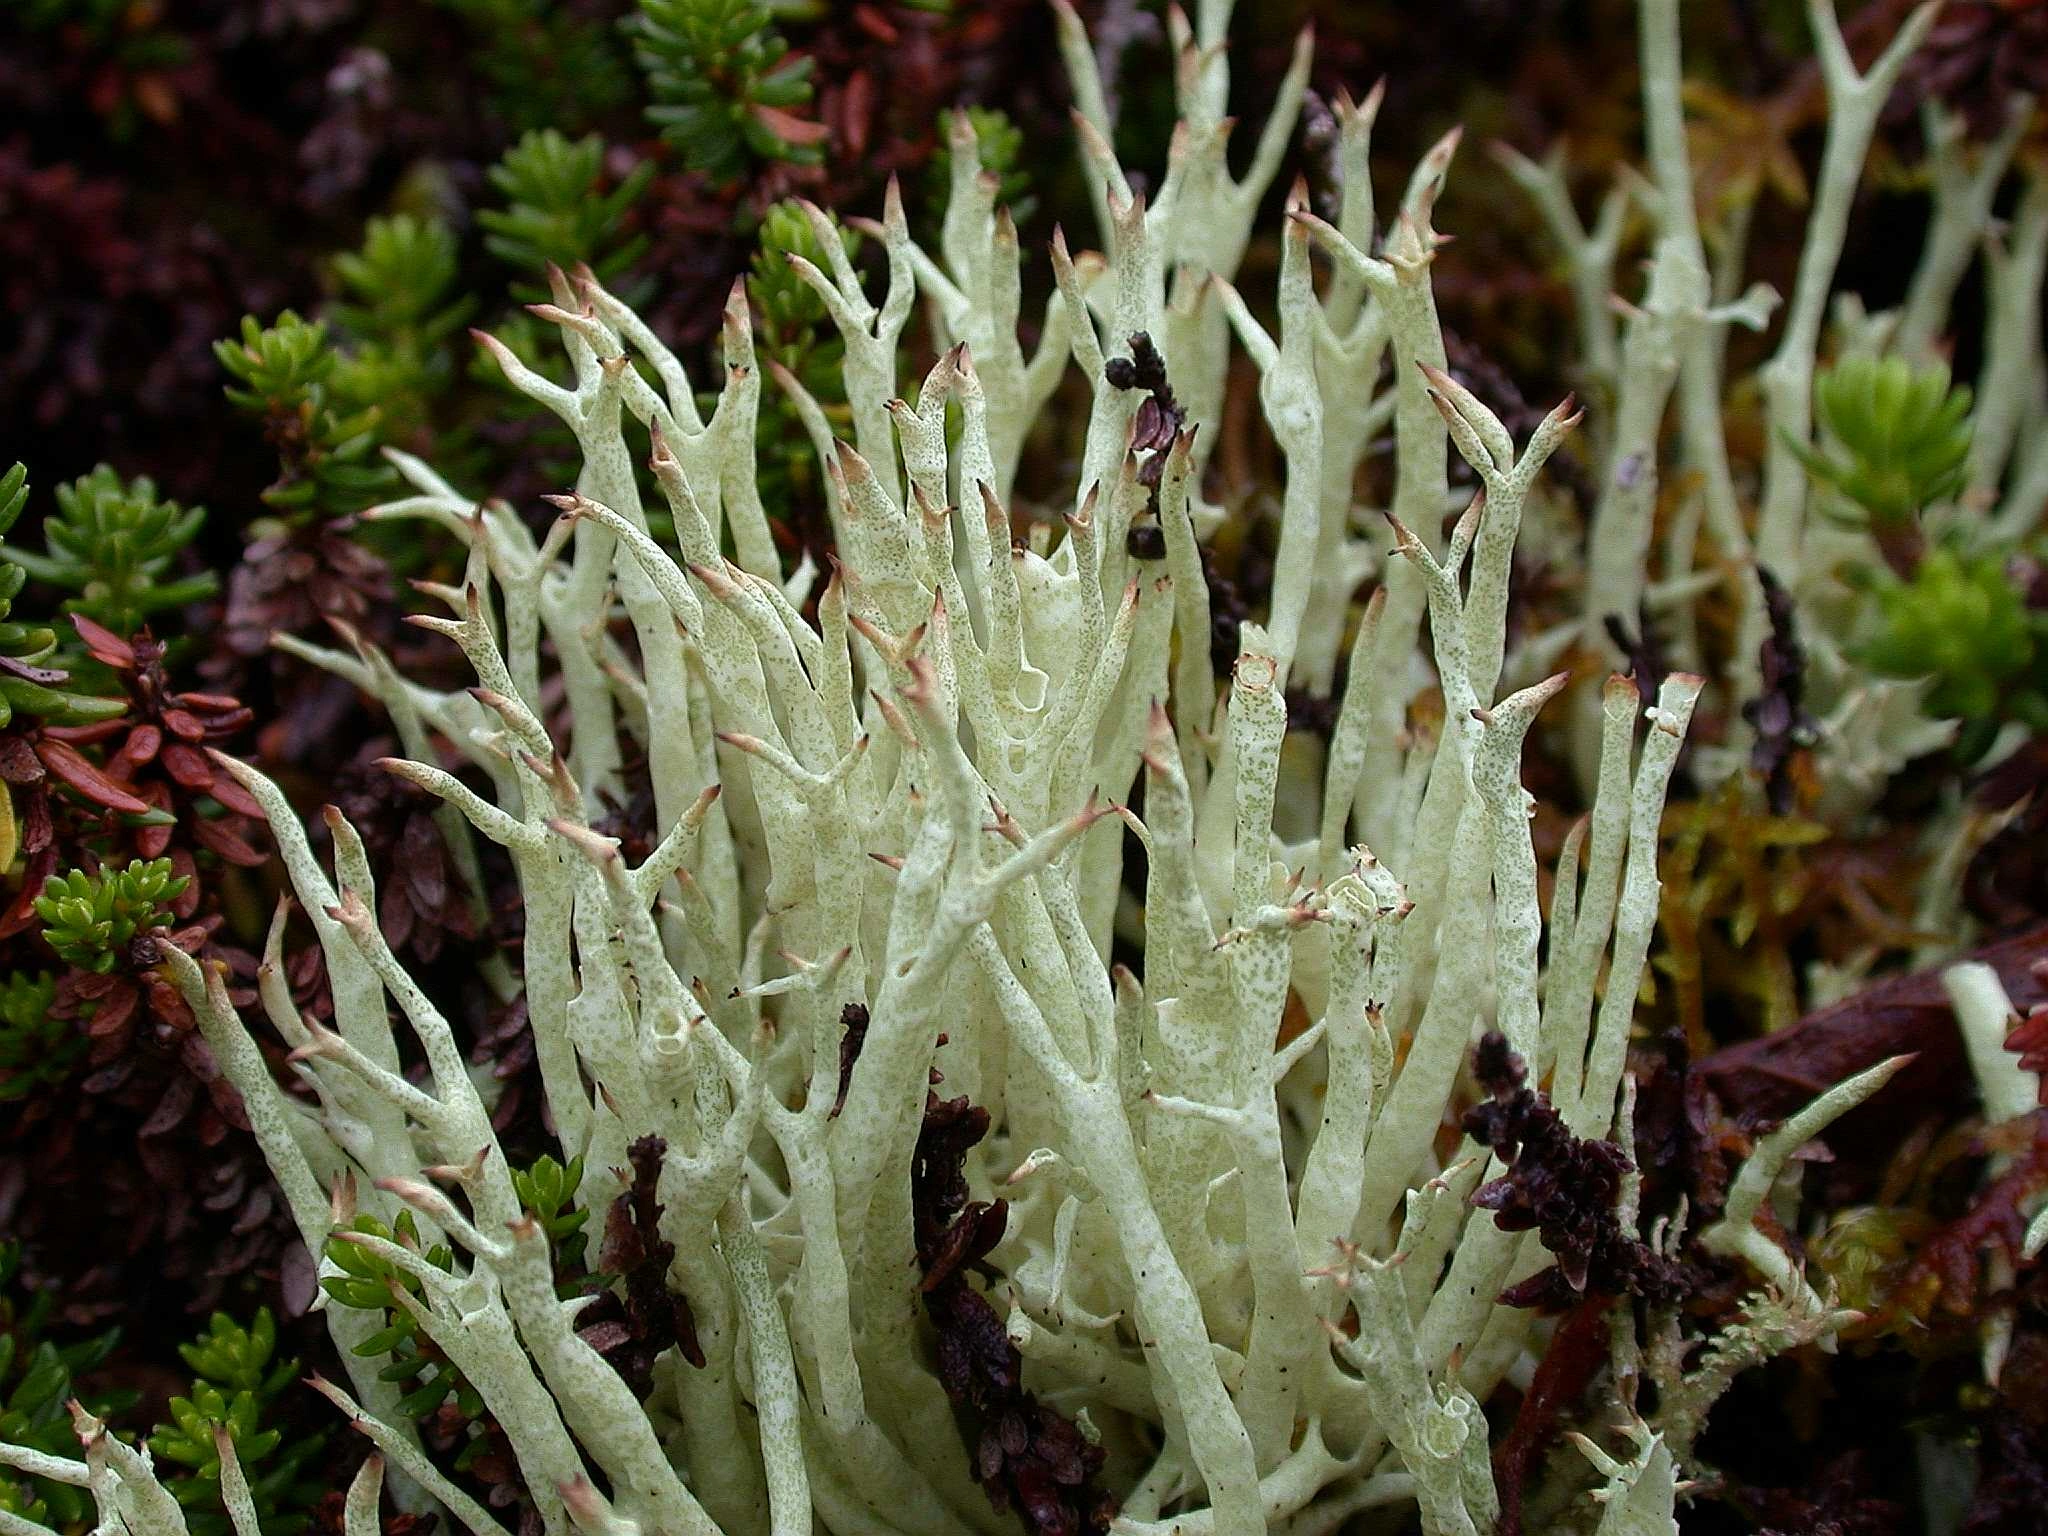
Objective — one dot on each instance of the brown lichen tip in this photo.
(593, 845)
(321, 1043)
(503, 355)
(586, 1506)
(921, 692)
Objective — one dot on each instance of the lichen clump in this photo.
(1023, 1078)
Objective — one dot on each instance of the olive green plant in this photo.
(238, 1380)
(113, 544)
(399, 311)
(29, 687)
(548, 65)
(723, 85)
(1898, 437)
(367, 1281)
(92, 921)
(37, 1050)
(562, 206)
(39, 1378)
(284, 374)
(1960, 625)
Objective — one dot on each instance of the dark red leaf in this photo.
(178, 1097)
(66, 763)
(229, 792)
(142, 745)
(18, 761)
(114, 1011)
(605, 1337)
(221, 838)
(182, 722)
(47, 676)
(188, 765)
(1762, 1081)
(150, 842)
(87, 735)
(106, 647)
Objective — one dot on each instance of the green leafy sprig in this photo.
(794, 329)
(795, 334)
(113, 544)
(326, 445)
(399, 310)
(725, 86)
(236, 1384)
(558, 210)
(545, 1190)
(546, 62)
(366, 1282)
(1962, 620)
(92, 921)
(27, 687)
(38, 1379)
(37, 1050)
(1898, 437)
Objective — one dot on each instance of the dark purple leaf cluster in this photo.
(1981, 54)
(1159, 421)
(1778, 714)
(1234, 596)
(1160, 417)
(853, 1021)
(504, 1044)
(1026, 1455)
(1563, 1187)
(1647, 666)
(1841, 1502)
(631, 1332)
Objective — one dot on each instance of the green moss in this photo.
(92, 920)
(326, 443)
(724, 85)
(558, 209)
(113, 544)
(27, 685)
(237, 1381)
(1898, 437)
